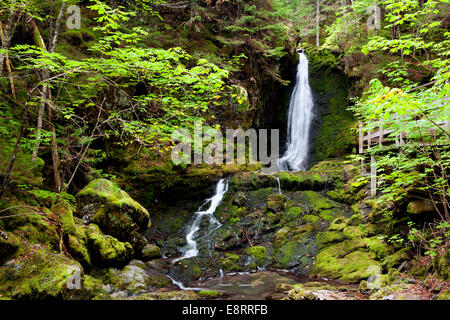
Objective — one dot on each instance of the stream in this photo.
(261, 283)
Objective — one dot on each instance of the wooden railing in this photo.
(377, 137)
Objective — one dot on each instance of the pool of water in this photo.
(262, 285)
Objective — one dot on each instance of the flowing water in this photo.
(279, 185)
(299, 121)
(191, 236)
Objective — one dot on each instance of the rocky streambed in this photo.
(314, 240)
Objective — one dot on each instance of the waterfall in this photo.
(214, 224)
(279, 185)
(299, 121)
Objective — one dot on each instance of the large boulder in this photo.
(9, 245)
(40, 274)
(420, 206)
(137, 278)
(114, 211)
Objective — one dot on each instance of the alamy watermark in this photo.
(74, 20)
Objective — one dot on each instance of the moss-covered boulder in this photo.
(106, 249)
(113, 210)
(136, 278)
(209, 294)
(348, 261)
(420, 207)
(258, 254)
(9, 245)
(39, 274)
(63, 212)
(150, 251)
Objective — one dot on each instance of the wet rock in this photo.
(135, 278)
(151, 251)
(240, 199)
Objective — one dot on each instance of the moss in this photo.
(151, 251)
(327, 237)
(64, 212)
(39, 274)
(378, 248)
(352, 232)
(309, 218)
(302, 180)
(292, 213)
(355, 219)
(445, 295)
(106, 249)
(259, 254)
(113, 210)
(41, 229)
(338, 224)
(78, 250)
(171, 295)
(346, 261)
(441, 265)
(395, 259)
(280, 238)
(8, 247)
(318, 202)
(328, 215)
(209, 294)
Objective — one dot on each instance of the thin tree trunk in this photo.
(318, 23)
(7, 61)
(46, 93)
(14, 153)
(38, 41)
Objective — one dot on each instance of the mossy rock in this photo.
(63, 211)
(39, 274)
(77, 248)
(378, 248)
(302, 180)
(135, 278)
(8, 246)
(258, 254)
(113, 210)
(209, 294)
(327, 237)
(230, 262)
(338, 224)
(41, 229)
(309, 218)
(352, 232)
(441, 265)
(150, 251)
(171, 295)
(394, 260)
(275, 202)
(347, 261)
(106, 249)
(292, 213)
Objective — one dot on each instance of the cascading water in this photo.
(214, 224)
(299, 121)
(279, 185)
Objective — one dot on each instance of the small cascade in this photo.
(214, 224)
(279, 185)
(299, 121)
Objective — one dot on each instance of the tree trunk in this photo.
(46, 94)
(14, 153)
(318, 23)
